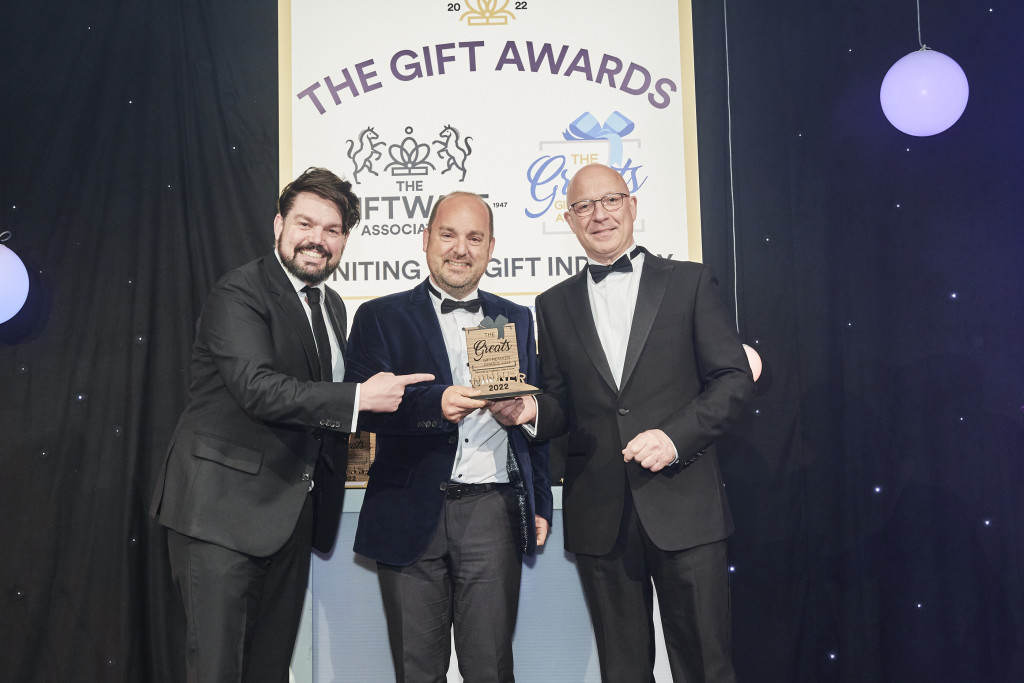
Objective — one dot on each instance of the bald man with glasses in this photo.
(641, 366)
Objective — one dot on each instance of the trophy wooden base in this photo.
(511, 392)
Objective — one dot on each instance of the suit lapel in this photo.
(581, 316)
(653, 283)
(336, 314)
(421, 311)
(490, 307)
(280, 288)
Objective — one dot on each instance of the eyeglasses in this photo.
(610, 202)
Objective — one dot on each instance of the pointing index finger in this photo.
(414, 378)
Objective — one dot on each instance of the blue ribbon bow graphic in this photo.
(497, 324)
(616, 127)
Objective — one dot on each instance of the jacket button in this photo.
(444, 486)
(305, 476)
(623, 411)
(453, 439)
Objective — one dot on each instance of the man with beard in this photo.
(254, 474)
(455, 499)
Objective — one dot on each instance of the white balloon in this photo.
(754, 360)
(13, 284)
(924, 93)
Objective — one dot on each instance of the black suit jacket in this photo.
(238, 468)
(416, 446)
(685, 373)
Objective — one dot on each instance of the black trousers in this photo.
(693, 598)
(467, 578)
(242, 612)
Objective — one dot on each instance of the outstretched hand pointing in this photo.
(383, 392)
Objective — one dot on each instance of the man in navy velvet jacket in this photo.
(454, 498)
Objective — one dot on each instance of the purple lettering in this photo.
(428, 67)
(472, 46)
(346, 83)
(409, 70)
(609, 67)
(510, 55)
(546, 54)
(581, 63)
(660, 87)
(442, 57)
(635, 69)
(365, 76)
(310, 92)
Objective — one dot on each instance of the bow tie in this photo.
(624, 264)
(449, 305)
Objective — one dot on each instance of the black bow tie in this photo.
(624, 264)
(449, 305)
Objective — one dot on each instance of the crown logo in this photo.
(410, 157)
(487, 13)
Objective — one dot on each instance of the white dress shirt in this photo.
(483, 442)
(612, 302)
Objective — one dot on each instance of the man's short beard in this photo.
(312, 278)
(456, 290)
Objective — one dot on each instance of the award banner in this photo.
(412, 100)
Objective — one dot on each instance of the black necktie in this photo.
(624, 264)
(323, 342)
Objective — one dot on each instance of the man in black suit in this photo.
(641, 366)
(254, 475)
(454, 498)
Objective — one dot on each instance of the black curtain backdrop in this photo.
(874, 480)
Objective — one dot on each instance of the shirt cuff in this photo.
(355, 411)
(531, 429)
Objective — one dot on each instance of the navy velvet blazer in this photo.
(416, 446)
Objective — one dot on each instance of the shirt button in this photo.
(623, 411)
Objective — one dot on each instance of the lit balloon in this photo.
(13, 284)
(924, 93)
(755, 361)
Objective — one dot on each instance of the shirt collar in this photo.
(445, 295)
(627, 250)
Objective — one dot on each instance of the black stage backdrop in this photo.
(874, 480)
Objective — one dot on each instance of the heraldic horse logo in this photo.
(453, 151)
(362, 157)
